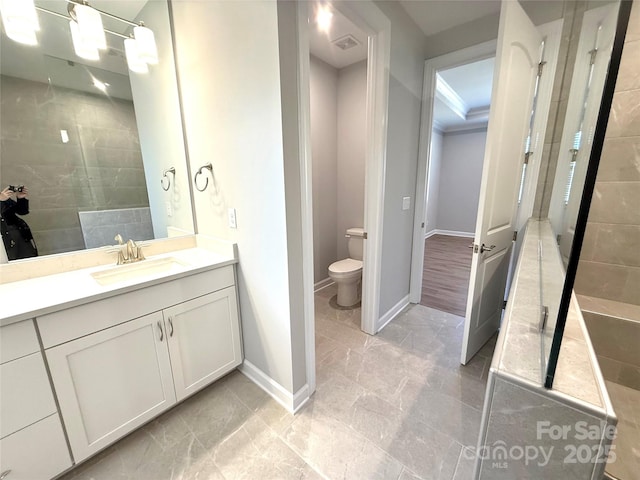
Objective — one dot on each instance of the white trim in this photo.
(304, 146)
(292, 402)
(393, 312)
(322, 284)
(450, 60)
(450, 98)
(451, 233)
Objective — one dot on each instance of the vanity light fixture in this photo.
(134, 60)
(20, 21)
(82, 48)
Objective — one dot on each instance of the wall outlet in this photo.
(169, 208)
(232, 218)
(406, 203)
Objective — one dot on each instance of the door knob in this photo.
(484, 248)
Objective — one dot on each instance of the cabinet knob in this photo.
(4, 474)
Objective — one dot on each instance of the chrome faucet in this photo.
(128, 252)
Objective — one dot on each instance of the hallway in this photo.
(445, 280)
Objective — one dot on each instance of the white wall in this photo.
(459, 182)
(324, 153)
(403, 128)
(352, 142)
(229, 69)
(433, 182)
(157, 111)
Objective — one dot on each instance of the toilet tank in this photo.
(355, 242)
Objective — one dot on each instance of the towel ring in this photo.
(164, 175)
(209, 167)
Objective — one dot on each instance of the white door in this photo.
(204, 340)
(515, 71)
(111, 382)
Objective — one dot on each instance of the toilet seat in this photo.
(346, 267)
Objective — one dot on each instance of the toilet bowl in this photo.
(347, 273)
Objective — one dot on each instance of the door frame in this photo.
(467, 55)
(369, 17)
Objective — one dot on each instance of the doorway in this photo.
(458, 137)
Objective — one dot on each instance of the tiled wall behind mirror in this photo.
(91, 139)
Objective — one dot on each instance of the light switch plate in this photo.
(232, 218)
(406, 203)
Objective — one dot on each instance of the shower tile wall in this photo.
(99, 227)
(610, 259)
(100, 167)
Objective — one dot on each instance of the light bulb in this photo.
(90, 26)
(20, 20)
(135, 63)
(147, 49)
(323, 18)
(82, 49)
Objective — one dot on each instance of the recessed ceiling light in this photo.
(323, 18)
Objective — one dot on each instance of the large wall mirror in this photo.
(99, 147)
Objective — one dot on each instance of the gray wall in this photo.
(609, 262)
(99, 168)
(324, 153)
(459, 182)
(433, 182)
(403, 130)
(338, 148)
(352, 137)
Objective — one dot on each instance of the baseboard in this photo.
(452, 233)
(392, 313)
(292, 402)
(322, 284)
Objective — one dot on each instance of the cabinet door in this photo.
(204, 340)
(111, 382)
(37, 452)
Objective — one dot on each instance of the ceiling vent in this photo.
(346, 42)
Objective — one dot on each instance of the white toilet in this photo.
(347, 273)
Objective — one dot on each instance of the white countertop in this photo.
(25, 299)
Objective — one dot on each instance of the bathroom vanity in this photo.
(91, 354)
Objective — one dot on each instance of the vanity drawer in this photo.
(36, 452)
(25, 393)
(18, 340)
(66, 325)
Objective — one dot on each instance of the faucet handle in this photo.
(118, 238)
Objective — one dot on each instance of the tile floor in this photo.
(394, 406)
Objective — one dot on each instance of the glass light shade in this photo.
(147, 49)
(135, 63)
(90, 26)
(82, 49)
(20, 20)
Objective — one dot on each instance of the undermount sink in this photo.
(144, 268)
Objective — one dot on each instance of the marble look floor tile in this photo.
(466, 465)
(336, 451)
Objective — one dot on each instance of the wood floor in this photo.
(445, 281)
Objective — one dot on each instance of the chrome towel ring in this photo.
(164, 175)
(209, 167)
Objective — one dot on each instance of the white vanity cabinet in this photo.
(203, 340)
(32, 443)
(114, 369)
